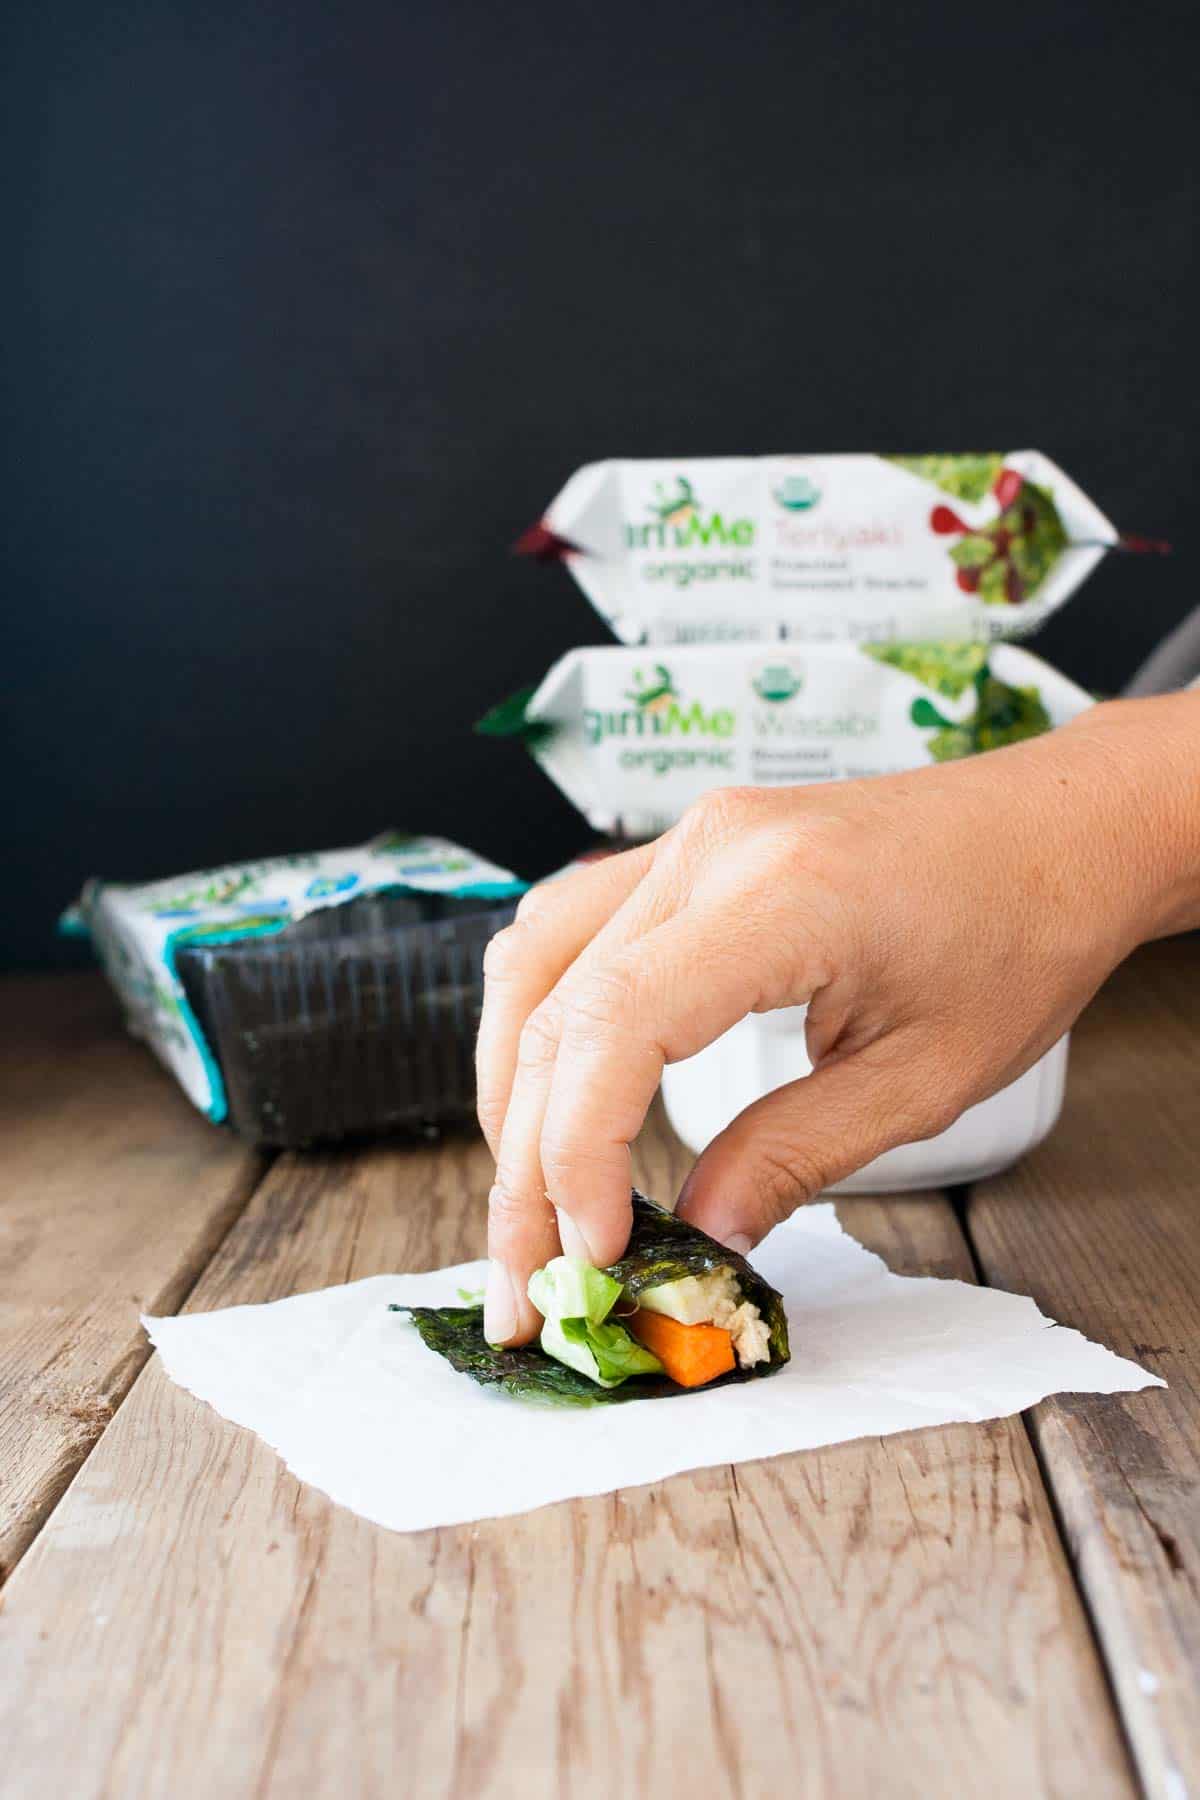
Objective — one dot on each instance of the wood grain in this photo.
(889, 1617)
(1102, 1226)
(113, 1194)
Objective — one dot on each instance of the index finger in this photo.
(555, 921)
(659, 1000)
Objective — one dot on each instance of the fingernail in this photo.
(573, 1242)
(499, 1305)
(739, 1243)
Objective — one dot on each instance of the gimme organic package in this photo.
(825, 548)
(634, 736)
(792, 619)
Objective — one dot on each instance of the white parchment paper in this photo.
(354, 1403)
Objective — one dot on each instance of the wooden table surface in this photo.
(1002, 1609)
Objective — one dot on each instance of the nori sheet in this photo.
(661, 1248)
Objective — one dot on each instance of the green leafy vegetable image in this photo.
(1007, 561)
(510, 718)
(661, 1249)
(947, 668)
(1003, 715)
(966, 477)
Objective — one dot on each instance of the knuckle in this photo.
(560, 1152)
(503, 952)
(538, 1043)
(490, 1110)
(932, 1114)
(566, 1146)
(717, 816)
(602, 1000)
(784, 1178)
(506, 1209)
(536, 907)
(924, 1099)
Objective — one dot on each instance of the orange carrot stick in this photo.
(690, 1354)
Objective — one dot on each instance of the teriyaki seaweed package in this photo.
(633, 736)
(825, 548)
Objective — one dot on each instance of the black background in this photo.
(312, 308)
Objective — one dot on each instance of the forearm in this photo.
(1130, 779)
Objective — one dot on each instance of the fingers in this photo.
(787, 1147)
(522, 963)
(524, 1231)
(589, 1063)
(656, 1001)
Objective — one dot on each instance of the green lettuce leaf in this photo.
(948, 668)
(1006, 715)
(967, 477)
(566, 1289)
(605, 1353)
(1003, 715)
(1022, 543)
(574, 1299)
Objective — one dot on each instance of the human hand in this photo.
(944, 928)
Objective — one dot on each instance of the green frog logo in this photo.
(678, 521)
(654, 691)
(777, 682)
(796, 493)
(677, 508)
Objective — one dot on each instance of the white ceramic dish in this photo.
(765, 1051)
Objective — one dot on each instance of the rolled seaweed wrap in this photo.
(676, 1314)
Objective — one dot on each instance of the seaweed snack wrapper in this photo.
(825, 548)
(634, 736)
(146, 934)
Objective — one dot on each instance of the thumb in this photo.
(783, 1150)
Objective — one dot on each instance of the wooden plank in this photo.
(113, 1194)
(1102, 1226)
(891, 1616)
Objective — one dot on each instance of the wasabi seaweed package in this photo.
(632, 737)
(825, 548)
